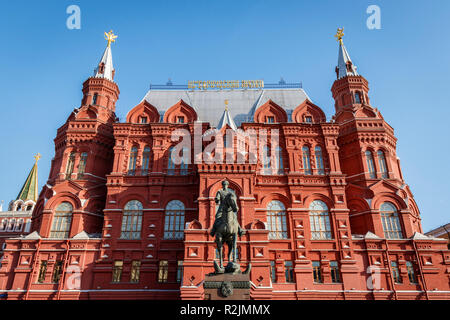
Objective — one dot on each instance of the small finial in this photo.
(37, 157)
(339, 34)
(110, 37)
(226, 105)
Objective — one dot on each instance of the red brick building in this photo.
(327, 211)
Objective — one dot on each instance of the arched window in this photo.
(174, 220)
(382, 164)
(319, 220)
(145, 160)
(132, 161)
(62, 220)
(390, 221)
(19, 225)
(319, 160)
(370, 164)
(82, 165)
(306, 160)
(70, 164)
(132, 220)
(12, 224)
(170, 163)
(4, 225)
(276, 220)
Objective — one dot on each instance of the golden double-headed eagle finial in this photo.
(37, 157)
(110, 37)
(339, 34)
(226, 105)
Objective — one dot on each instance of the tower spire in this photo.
(29, 189)
(345, 66)
(226, 119)
(105, 67)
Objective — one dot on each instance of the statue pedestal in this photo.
(227, 286)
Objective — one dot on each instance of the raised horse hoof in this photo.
(218, 269)
(233, 267)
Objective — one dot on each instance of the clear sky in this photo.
(407, 62)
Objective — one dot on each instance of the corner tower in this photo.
(83, 157)
(367, 153)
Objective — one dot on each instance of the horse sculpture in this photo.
(227, 232)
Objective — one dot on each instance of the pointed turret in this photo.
(226, 119)
(29, 189)
(345, 66)
(105, 67)
(350, 90)
(101, 90)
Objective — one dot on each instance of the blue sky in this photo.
(407, 63)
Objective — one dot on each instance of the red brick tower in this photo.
(368, 157)
(83, 155)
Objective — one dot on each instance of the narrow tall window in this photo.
(184, 162)
(270, 119)
(180, 119)
(143, 120)
(57, 271)
(266, 161)
(135, 271)
(70, 164)
(276, 220)
(289, 272)
(61, 221)
(180, 271)
(396, 272)
(19, 225)
(12, 224)
(279, 160)
(170, 163)
(382, 164)
(4, 224)
(82, 165)
(306, 160)
(132, 220)
(117, 271)
(370, 164)
(319, 220)
(357, 97)
(145, 160)
(273, 271)
(319, 160)
(163, 272)
(94, 99)
(308, 119)
(317, 272)
(42, 272)
(174, 220)
(411, 274)
(335, 274)
(390, 221)
(132, 161)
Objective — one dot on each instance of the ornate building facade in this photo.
(327, 211)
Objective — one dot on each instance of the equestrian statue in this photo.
(226, 229)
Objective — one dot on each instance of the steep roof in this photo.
(29, 189)
(208, 104)
(345, 66)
